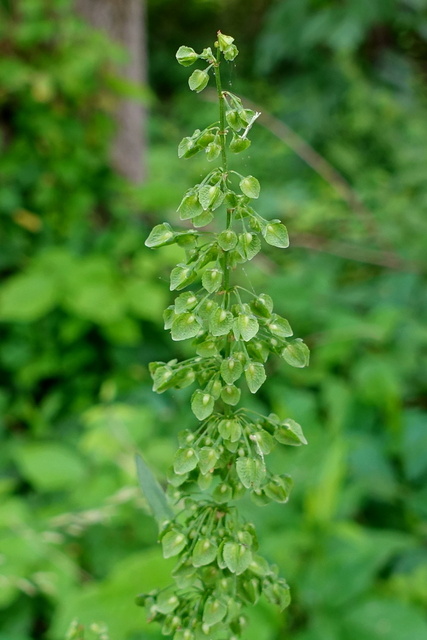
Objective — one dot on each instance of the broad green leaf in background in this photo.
(152, 491)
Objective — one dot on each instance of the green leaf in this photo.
(289, 432)
(208, 458)
(214, 611)
(50, 466)
(212, 279)
(275, 233)
(245, 326)
(153, 492)
(279, 327)
(250, 187)
(230, 394)
(185, 460)
(161, 235)
(221, 322)
(198, 80)
(186, 56)
(184, 326)
(231, 369)
(237, 557)
(251, 472)
(255, 376)
(297, 354)
(227, 239)
(202, 404)
(173, 542)
(189, 207)
(26, 297)
(204, 553)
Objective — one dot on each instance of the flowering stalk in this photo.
(234, 332)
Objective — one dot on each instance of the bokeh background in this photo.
(88, 163)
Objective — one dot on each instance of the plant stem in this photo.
(223, 141)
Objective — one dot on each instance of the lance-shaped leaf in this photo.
(255, 376)
(251, 472)
(290, 432)
(237, 557)
(202, 404)
(276, 234)
(297, 354)
(153, 492)
(184, 326)
(161, 235)
(250, 187)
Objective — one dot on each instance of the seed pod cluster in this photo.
(234, 332)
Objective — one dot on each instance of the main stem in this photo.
(223, 141)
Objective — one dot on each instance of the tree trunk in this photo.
(124, 22)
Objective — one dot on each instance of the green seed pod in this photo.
(186, 56)
(239, 144)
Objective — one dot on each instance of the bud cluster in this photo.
(234, 331)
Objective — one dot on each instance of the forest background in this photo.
(81, 301)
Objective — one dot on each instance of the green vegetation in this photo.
(81, 298)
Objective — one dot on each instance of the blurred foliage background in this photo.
(81, 301)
